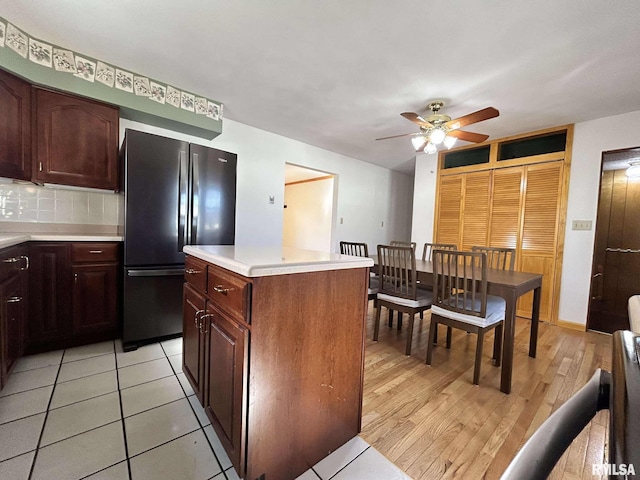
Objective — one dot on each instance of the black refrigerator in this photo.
(176, 194)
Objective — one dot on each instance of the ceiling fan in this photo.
(438, 128)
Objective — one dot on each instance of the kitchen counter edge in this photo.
(268, 261)
(8, 240)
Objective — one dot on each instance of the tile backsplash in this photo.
(35, 204)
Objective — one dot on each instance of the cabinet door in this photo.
(11, 321)
(449, 208)
(193, 344)
(15, 127)
(75, 141)
(49, 300)
(226, 383)
(94, 297)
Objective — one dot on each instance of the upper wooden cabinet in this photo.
(75, 141)
(15, 127)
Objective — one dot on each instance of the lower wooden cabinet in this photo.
(225, 380)
(13, 307)
(194, 339)
(74, 294)
(274, 357)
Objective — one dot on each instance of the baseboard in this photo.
(572, 325)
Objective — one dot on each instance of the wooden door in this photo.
(15, 127)
(75, 141)
(540, 223)
(193, 344)
(616, 263)
(94, 298)
(448, 209)
(475, 212)
(226, 382)
(506, 204)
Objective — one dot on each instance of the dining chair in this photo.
(460, 301)
(357, 249)
(402, 243)
(634, 313)
(428, 249)
(398, 287)
(498, 258)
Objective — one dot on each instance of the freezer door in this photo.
(156, 199)
(152, 304)
(213, 200)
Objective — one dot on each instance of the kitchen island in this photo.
(274, 349)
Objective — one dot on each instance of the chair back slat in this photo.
(397, 270)
(402, 243)
(498, 258)
(460, 281)
(354, 248)
(427, 251)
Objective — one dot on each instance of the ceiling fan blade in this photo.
(468, 136)
(475, 117)
(417, 119)
(396, 136)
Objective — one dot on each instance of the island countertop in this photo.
(267, 261)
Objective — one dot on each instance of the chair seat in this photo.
(495, 311)
(372, 291)
(424, 298)
(634, 313)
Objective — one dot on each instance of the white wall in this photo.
(424, 198)
(589, 141)
(308, 217)
(367, 195)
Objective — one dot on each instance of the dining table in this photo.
(510, 285)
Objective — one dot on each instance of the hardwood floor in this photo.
(432, 422)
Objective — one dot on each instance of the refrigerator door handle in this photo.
(155, 273)
(183, 195)
(195, 200)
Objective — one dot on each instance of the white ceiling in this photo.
(338, 73)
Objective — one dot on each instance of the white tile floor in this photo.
(96, 412)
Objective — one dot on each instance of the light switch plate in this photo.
(581, 225)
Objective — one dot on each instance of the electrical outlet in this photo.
(581, 225)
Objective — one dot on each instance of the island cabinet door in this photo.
(193, 339)
(225, 401)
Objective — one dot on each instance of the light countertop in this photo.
(10, 239)
(267, 261)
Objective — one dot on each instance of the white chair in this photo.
(634, 313)
(460, 300)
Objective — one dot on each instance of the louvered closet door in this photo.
(506, 203)
(449, 209)
(475, 214)
(541, 211)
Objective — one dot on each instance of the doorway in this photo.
(308, 208)
(616, 259)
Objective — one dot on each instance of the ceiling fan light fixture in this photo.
(437, 135)
(418, 141)
(430, 148)
(634, 169)
(449, 141)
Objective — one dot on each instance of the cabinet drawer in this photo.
(94, 252)
(230, 293)
(195, 273)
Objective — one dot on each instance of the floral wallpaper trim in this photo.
(72, 63)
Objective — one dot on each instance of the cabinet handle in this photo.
(198, 313)
(75, 277)
(95, 251)
(14, 299)
(203, 323)
(11, 260)
(39, 166)
(192, 271)
(26, 262)
(221, 289)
